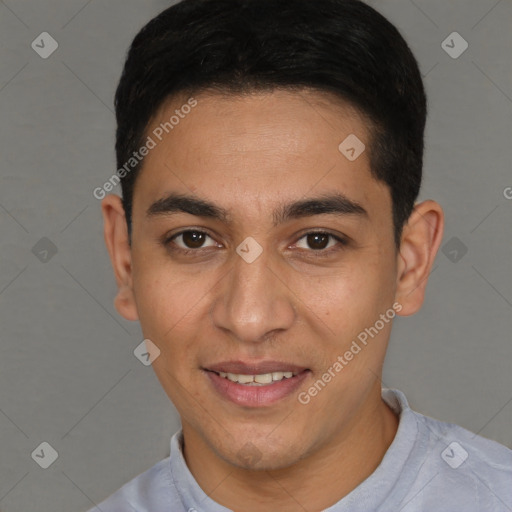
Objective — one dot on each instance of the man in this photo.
(271, 155)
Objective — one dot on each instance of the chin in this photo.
(258, 454)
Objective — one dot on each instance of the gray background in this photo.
(68, 375)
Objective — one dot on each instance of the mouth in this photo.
(261, 379)
(255, 385)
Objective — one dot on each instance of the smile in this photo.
(262, 379)
(255, 385)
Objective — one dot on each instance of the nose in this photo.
(252, 301)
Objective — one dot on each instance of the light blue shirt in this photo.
(431, 466)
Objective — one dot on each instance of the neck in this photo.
(314, 483)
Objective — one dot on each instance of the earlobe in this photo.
(421, 238)
(116, 239)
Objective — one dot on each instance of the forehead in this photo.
(296, 122)
(258, 149)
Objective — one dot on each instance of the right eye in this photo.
(190, 240)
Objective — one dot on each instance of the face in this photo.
(259, 248)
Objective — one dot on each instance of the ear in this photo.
(420, 241)
(116, 239)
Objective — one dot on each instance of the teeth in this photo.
(266, 378)
(257, 380)
(243, 379)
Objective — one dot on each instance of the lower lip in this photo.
(256, 396)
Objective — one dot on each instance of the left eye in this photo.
(318, 241)
(192, 240)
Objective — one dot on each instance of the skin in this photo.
(250, 154)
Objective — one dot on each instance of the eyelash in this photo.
(317, 253)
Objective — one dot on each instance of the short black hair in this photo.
(343, 47)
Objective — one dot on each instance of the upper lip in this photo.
(243, 368)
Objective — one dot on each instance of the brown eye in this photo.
(317, 241)
(192, 239)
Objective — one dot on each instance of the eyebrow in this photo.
(337, 204)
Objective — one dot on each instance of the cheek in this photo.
(345, 298)
(168, 300)
(158, 285)
(169, 312)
